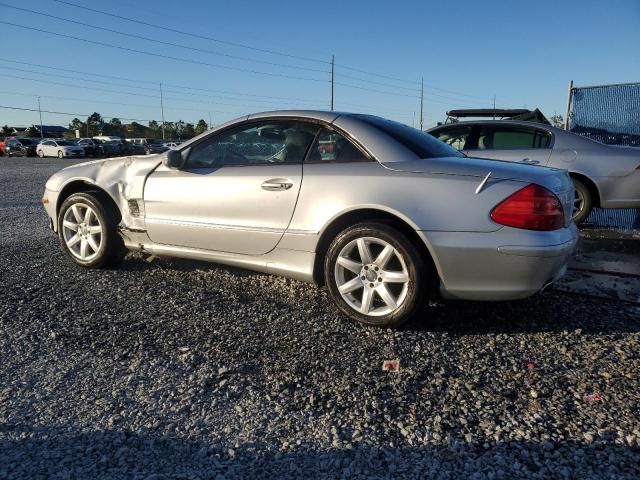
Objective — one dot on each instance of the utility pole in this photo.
(162, 108)
(209, 120)
(569, 95)
(421, 103)
(333, 69)
(494, 107)
(40, 112)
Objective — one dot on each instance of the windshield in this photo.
(28, 141)
(154, 141)
(63, 143)
(420, 143)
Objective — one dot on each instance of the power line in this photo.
(136, 94)
(191, 34)
(147, 81)
(159, 55)
(147, 88)
(68, 113)
(374, 90)
(140, 37)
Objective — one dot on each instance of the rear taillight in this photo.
(533, 208)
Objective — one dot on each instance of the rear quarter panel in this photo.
(426, 201)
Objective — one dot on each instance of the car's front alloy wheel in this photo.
(60, 154)
(40, 153)
(375, 274)
(88, 230)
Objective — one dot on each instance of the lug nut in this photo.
(371, 284)
(366, 267)
(377, 269)
(363, 277)
(380, 279)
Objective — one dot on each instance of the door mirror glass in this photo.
(173, 159)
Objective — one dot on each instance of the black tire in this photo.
(112, 249)
(415, 265)
(583, 201)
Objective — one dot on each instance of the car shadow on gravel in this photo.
(545, 312)
(49, 452)
(550, 311)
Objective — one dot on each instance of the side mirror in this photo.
(173, 159)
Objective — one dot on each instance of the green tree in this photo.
(76, 124)
(189, 131)
(95, 124)
(557, 121)
(114, 127)
(201, 127)
(6, 131)
(155, 130)
(33, 131)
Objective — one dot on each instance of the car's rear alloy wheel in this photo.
(375, 275)
(40, 153)
(60, 154)
(88, 230)
(582, 202)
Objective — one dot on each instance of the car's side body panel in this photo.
(224, 209)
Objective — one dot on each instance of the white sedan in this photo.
(59, 148)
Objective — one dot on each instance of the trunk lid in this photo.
(554, 179)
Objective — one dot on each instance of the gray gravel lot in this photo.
(171, 369)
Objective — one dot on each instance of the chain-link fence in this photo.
(609, 114)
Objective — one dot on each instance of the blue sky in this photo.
(524, 53)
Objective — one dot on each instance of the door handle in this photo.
(529, 161)
(276, 184)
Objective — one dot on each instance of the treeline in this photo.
(95, 125)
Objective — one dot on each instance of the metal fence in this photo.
(609, 114)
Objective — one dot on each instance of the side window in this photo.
(455, 137)
(334, 147)
(263, 142)
(508, 138)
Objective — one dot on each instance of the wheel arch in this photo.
(372, 214)
(590, 184)
(85, 186)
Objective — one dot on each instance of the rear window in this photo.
(420, 143)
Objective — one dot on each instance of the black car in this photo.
(91, 147)
(21, 147)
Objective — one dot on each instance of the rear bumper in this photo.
(506, 264)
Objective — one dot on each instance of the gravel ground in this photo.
(170, 369)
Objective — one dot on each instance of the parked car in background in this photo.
(2, 140)
(91, 147)
(136, 148)
(20, 146)
(109, 147)
(59, 148)
(153, 145)
(604, 176)
(385, 216)
(171, 144)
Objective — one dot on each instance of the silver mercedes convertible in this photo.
(382, 214)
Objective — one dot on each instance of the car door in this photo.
(513, 143)
(236, 192)
(47, 147)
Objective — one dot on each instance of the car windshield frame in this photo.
(422, 144)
